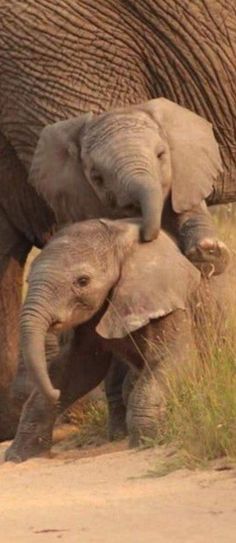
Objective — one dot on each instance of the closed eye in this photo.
(97, 179)
(161, 154)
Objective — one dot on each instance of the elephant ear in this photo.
(195, 156)
(56, 168)
(155, 280)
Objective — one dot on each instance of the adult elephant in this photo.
(61, 59)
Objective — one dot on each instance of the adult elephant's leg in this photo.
(25, 220)
(13, 252)
(174, 346)
(114, 393)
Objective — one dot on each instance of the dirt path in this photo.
(108, 499)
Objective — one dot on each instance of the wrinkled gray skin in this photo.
(98, 271)
(135, 159)
(58, 62)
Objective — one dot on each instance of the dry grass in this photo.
(225, 221)
(89, 423)
(200, 416)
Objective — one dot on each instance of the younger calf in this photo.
(121, 297)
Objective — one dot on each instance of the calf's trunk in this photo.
(33, 330)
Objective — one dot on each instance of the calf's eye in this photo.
(82, 281)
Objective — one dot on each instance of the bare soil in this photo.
(103, 494)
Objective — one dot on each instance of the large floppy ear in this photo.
(56, 168)
(155, 280)
(195, 156)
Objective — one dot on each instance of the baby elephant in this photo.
(122, 298)
(134, 160)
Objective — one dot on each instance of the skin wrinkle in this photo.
(125, 160)
(40, 297)
(82, 49)
(184, 69)
(198, 50)
(114, 143)
(199, 99)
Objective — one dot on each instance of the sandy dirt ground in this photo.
(108, 498)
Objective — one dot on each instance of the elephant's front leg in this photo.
(34, 432)
(166, 345)
(76, 370)
(199, 243)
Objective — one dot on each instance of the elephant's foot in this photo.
(142, 430)
(28, 445)
(116, 409)
(210, 256)
(116, 421)
(34, 432)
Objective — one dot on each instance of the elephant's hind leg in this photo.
(116, 406)
(24, 220)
